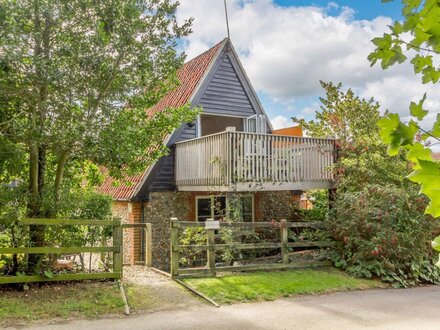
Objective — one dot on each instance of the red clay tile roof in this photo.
(122, 190)
(436, 156)
(190, 76)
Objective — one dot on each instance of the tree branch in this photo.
(418, 47)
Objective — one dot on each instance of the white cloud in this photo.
(287, 50)
(396, 93)
(310, 110)
(281, 122)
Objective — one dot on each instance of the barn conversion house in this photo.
(230, 148)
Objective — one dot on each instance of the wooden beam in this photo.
(222, 247)
(58, 277)
(59, 250)
(267, 224)
(253, 267)
(70, 222)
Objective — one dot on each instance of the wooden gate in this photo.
(116, 249)
(178, 250)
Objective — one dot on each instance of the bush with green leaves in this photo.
(77, 203)
(193, 236)
(383, 232)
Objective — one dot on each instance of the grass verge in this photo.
(272, 285)
(63, 301)
(68, 301)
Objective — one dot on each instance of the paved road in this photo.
(379, 309)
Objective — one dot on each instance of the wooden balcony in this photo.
(238, 161)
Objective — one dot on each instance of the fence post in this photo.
(118, 242)
(174, 250)
(210, 235)
(284, 242)
(149, 246)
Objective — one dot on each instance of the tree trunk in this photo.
(37, 149)
(37, 169)
(59, 176)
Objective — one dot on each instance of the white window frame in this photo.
(198, 197)
(260, 124)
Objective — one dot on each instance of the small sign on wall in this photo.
(212, 224)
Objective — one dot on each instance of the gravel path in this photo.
(141, 275)
(161, 292)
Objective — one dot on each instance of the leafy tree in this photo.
(76, 79)
(376, 219)
(419, 34)
(352, 121)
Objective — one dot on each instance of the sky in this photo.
(288, 46)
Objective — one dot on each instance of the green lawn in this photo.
(59, 301)
(69, 300)
(271, 285)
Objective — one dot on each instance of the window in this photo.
(210, 207)
(247, 208)
(255, 124)
(216, 207)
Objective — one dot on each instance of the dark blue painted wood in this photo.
(224, 93)
(161, 177)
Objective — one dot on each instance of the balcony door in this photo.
(256, 151)
(255, 124)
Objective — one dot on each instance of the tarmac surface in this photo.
(416, 308)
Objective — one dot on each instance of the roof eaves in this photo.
(208, 69)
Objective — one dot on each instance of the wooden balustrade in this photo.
(241, 161)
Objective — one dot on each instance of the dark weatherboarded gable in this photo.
(225, 93)
(214, 80)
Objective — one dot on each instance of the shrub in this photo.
(193, 236)
(383, 232)
(81, 203)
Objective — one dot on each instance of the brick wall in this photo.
(129, 212)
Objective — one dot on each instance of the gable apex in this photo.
(226, 88)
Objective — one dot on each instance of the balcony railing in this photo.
(238, 161)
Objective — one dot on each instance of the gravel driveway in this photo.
(163, 293)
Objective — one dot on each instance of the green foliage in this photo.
(383, 232)
(421, 23)
(320, 207)
(193, 236)
(78, 90)
(227, 235)
(78, 203)
(77, 80)
(353, 122)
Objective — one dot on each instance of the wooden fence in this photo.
(116, 249)
(177, 250)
